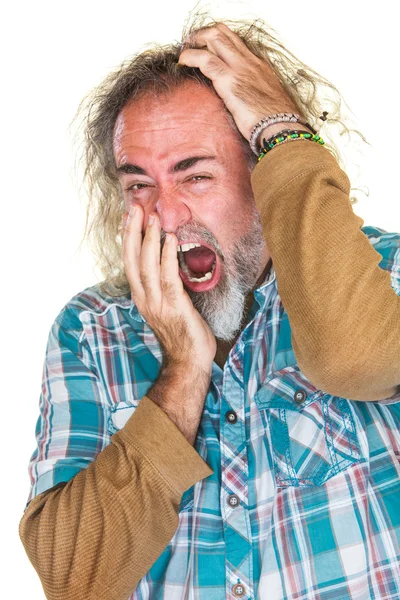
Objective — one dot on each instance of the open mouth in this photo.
(199, 266)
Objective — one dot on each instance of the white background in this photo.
(52, 54)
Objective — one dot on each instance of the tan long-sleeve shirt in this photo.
(97, 535)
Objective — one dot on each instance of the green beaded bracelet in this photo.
(285, 135)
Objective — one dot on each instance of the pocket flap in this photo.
(288, 388)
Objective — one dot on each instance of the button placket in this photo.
(234, 491)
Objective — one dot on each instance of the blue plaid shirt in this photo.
(304, 501)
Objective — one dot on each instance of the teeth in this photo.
(206, 277)
(186, 247)
(182, 263)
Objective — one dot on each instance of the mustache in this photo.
(197, 234)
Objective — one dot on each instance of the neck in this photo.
(250, 295)
(263, 275)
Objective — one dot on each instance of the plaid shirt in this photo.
(304, 501)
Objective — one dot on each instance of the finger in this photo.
(235, 39)
(131, 245)
(210, 65)
(219, 43)
(171, 282)
(150, 263)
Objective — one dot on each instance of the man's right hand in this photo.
(188, 344)
(157, 290)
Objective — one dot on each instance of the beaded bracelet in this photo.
(271, 120)
(265, 122)
(287, 135)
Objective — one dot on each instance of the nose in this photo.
(172, 211)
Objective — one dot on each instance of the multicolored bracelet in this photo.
(287, 135)
(265, 122)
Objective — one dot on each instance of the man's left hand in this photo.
(247, 84)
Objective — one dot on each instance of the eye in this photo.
(136, 187)
(196, 178)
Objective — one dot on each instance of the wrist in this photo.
(181, 395)
(275, 128)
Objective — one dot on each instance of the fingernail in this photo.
(151, 219)
(132, 211)
(168, 238)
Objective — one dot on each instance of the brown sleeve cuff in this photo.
(157, 438)
(285, 162)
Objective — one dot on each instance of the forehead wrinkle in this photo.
(208, 126)
(189, 124)
(126, 142)
(135, 116)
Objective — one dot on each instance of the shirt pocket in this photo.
(313, 435)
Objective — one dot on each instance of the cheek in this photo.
(145, 206)
(233, 193)
(230, 210)
(145, 210)
(232, 226)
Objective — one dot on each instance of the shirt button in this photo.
(233, 500)
(238, 590)
(231, 416)
(300, 396)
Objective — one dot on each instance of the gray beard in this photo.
(223, 307)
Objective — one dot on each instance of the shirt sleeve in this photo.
(341, 300)
(72, 425)
(101, 509)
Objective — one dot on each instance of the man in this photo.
(237, 437)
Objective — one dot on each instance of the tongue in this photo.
(199, 260)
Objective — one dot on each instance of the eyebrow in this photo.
(182, 165)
